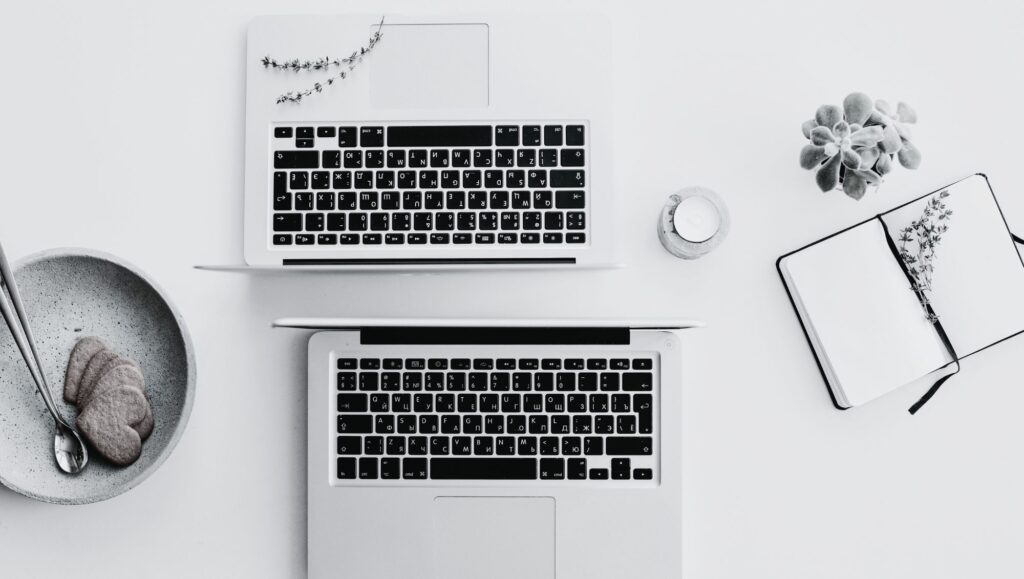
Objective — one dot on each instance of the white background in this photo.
(122, 130)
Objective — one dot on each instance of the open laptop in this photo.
(458, 141)
(494, 449)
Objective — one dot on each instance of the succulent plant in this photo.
(852, 147)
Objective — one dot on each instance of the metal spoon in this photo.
(68, 448)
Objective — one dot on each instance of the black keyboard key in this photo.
(570, 199)
(526, 158)
(304, 133)
(494, 179)
(552, 238)
(374, 445)
(298, 180)
(371, 136)
(332, 159)
(439, 238)
(593, 445)
(304, 143)
(353, 159)
(598, 474)
(396, 159)
(462, 238)
(643, 473)
(280, 182)
(283, 201)
(288, 222)
(531, 135)
(327, 239)
(548, 445)
(324, 201)
(283, 239)
(368, 467)
(637, 381)
(643, 364)
(461, 158)
(417, 444)
(314, 222)
(350, 445)
(506, 136)
(440, 136)
(472, 179)
(574, 135)
(552, 468)
(625, 424)
(542, 200)
(537, 178)
(379, 221)
(505, 158)
(374, 159)
(462, 445)
(509, 220)
(577, 469)
(629, 445)
(348, 239)
(552, 135)
(346, 468)
(346, 137)
(483, 445)
(567, 179)
(515, 178)
(553, 220)
(597, 364)
(439, 445)
(296, 160)
(575, 220)
(620, 468)
(390, 467)
(342, 180)
(326, 132)
(643, 406)
(482, 158)
(483, 468)
(355, 424)
(414, 468)
(573, 158)
(438, 158)
(282, 132)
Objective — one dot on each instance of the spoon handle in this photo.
(22, 333)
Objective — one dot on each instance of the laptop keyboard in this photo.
(495, 419)
(429, 185)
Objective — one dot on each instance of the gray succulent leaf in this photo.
(905, 113)
(868, 156)
(885, 108)
(909, 156)
(827, 176)
(853, 185)
(807, 126)
(828, 115)
(866, 137)
(822, 136)
(891, 141)
(883, 165)
(857, 108)
(812, 155)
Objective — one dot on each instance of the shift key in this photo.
(628, 445)
(297, 160)
(355, 424)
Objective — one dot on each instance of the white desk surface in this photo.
(123, 131)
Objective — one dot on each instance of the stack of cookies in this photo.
(114, 413)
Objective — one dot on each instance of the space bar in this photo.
(483, 468)
(440, 136)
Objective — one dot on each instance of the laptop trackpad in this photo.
(420, 66)
(494, 537)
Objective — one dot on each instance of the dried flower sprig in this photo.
(296, 65)
(917, 244)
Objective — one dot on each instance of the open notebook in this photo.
(869, 331)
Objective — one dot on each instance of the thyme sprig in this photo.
(348, 63)
(917, 244)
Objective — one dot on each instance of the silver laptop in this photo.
(457, 141)
(494, 449)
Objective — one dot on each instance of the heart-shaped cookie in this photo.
(126, 373)
(88, 388)
(107, 423)
(92, 373)
(83, 352)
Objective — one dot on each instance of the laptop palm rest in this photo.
(494, 537)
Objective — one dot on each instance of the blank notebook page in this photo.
(856, 303)
(978, 284)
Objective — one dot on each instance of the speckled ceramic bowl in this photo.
(69, 294)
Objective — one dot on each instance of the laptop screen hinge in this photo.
(494, 336)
